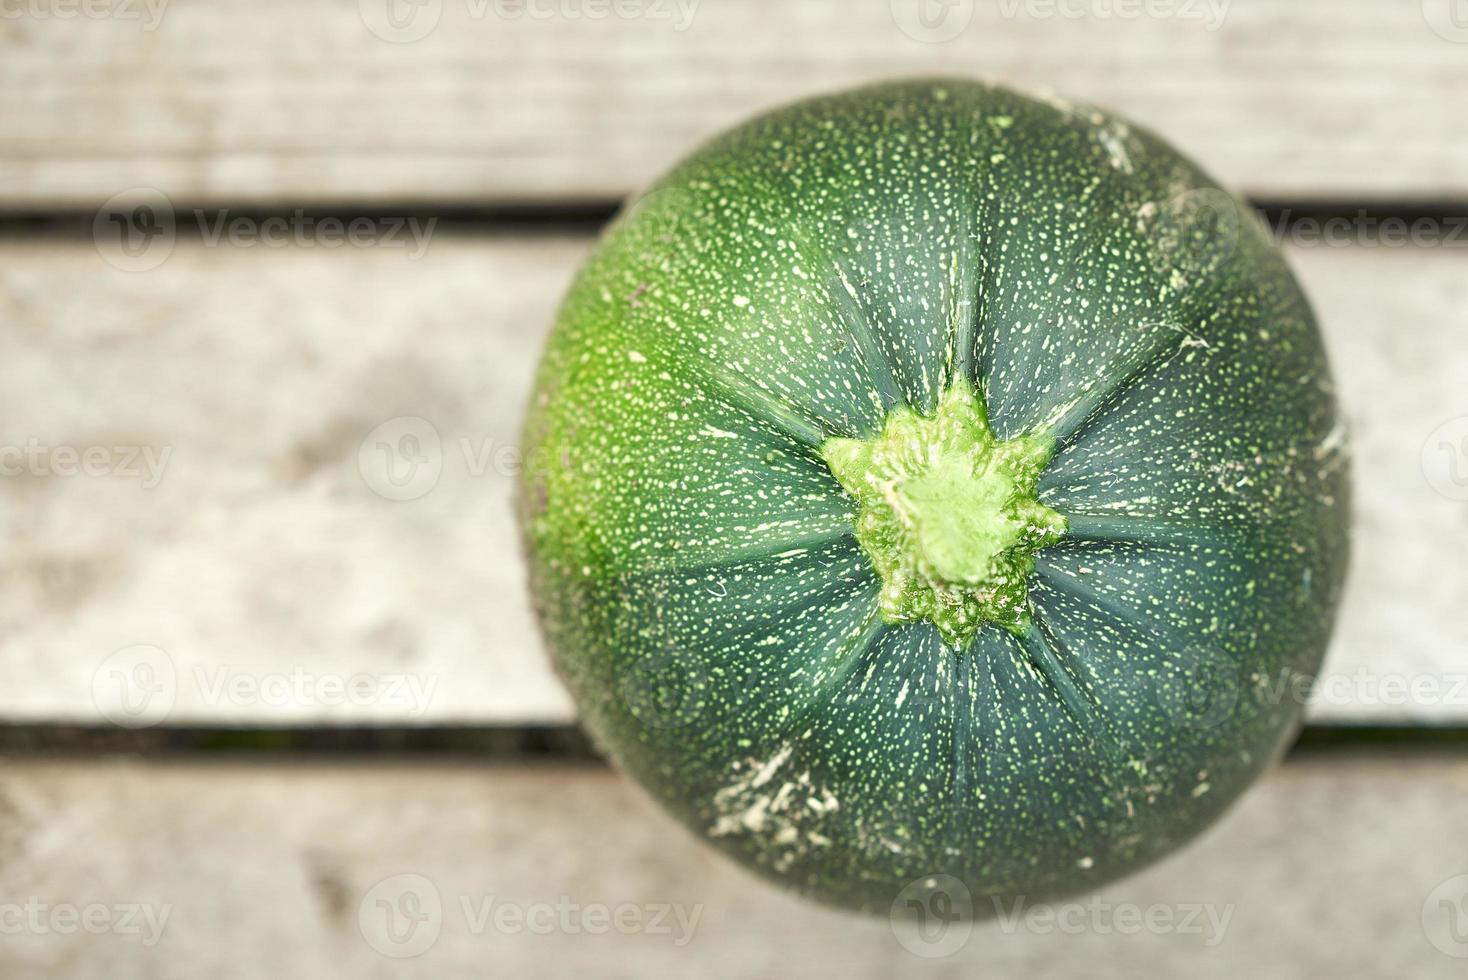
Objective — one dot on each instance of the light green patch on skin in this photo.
(947, 513)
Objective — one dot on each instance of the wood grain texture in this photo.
(235, 101)
(272, 569)
(1328, 868)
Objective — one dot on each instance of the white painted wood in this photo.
(1331, 867)
(233, 101)
(269, 569)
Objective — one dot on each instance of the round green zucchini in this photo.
(930, 480)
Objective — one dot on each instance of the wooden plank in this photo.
(272, 548)
(234, 101)
(1335, 867)
(275, 563)
(1395, 320)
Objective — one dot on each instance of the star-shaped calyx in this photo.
(947, 513)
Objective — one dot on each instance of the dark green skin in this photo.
(693, 559)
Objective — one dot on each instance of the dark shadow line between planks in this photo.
(547, 744)
(588, 215)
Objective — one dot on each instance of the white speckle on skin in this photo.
(768, 770)
(1113, 136)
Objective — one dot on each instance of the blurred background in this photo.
(273, 279)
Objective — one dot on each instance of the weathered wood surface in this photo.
(235, 101)
(282, 582)
(1330, 867)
